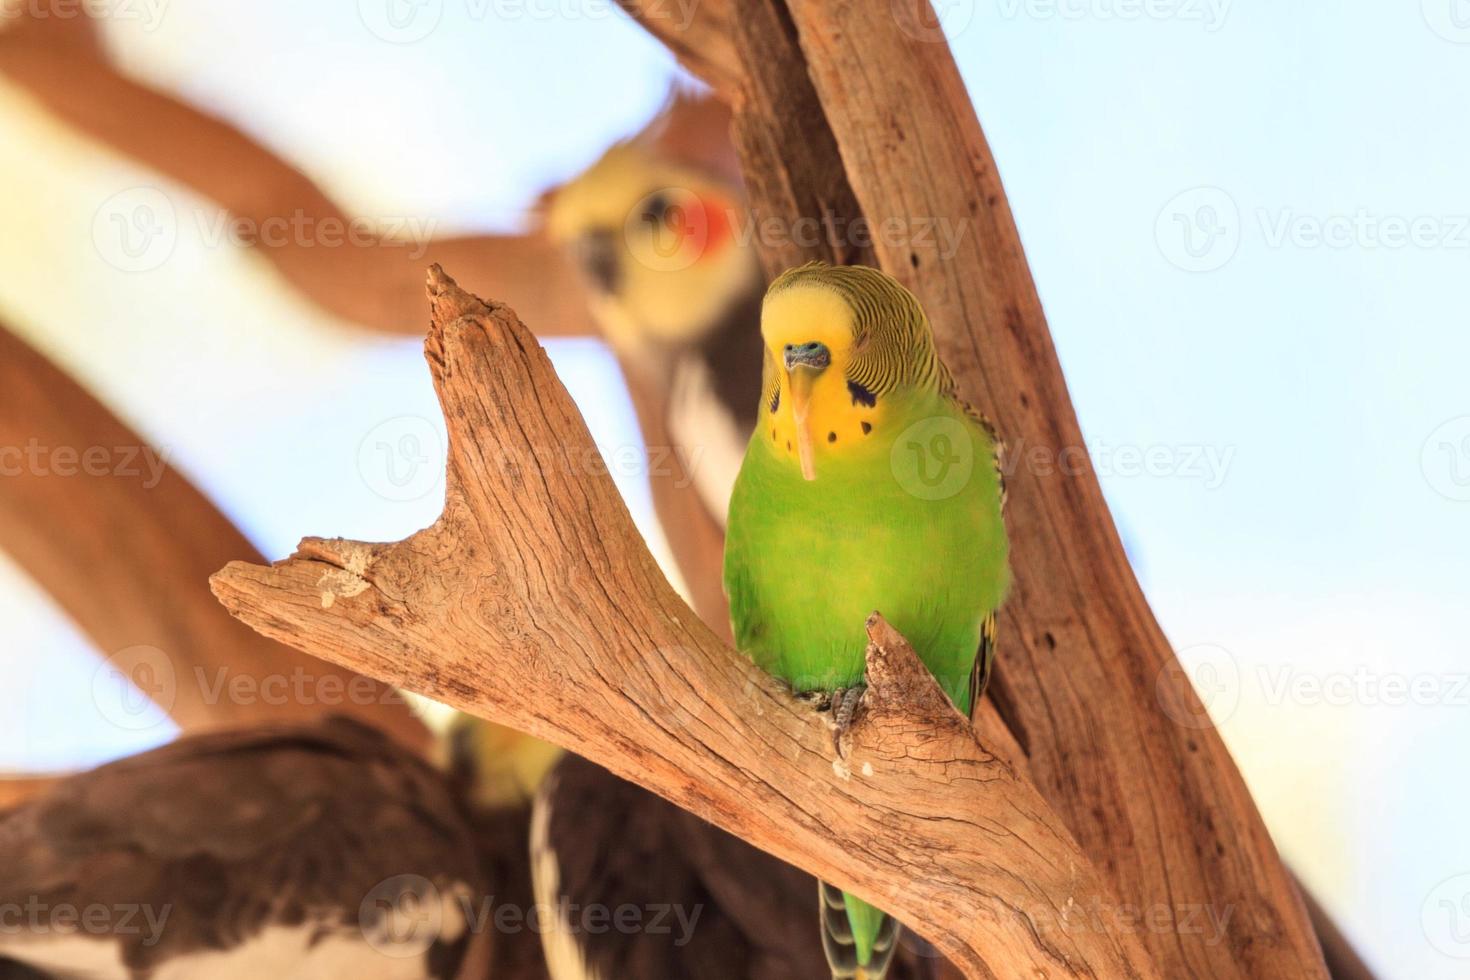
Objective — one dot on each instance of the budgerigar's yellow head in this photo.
(658, 243)
(841, 343)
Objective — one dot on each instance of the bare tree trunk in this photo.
(852, 117)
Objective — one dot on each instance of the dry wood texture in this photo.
(125, 544)
(533, 602)
(1084, 668)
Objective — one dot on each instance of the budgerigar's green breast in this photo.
(906, 521)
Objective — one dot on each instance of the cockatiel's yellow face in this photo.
(658, 244)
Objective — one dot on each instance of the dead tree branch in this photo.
(888, 135)
(533, 602)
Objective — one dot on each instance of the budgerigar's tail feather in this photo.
(844, 953)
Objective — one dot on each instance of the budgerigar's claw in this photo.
(844, 703)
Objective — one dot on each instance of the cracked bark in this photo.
(533, 602)
(852, 115)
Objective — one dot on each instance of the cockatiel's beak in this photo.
(804, 362)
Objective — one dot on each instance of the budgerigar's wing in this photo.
(984, 660)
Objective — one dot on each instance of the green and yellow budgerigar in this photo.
(867, 484)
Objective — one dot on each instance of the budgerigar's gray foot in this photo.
(844, 703)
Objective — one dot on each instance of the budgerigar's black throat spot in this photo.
(861, 395)
(867, 427)
(831, 437)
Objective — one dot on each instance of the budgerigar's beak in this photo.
(804, 362)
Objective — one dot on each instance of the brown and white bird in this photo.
(304, 851)
(644, 890)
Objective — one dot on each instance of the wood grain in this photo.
(533, 602)
(854, 114)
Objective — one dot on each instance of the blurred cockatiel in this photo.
(867, 485)
(655, 227)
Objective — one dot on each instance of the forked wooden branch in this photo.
(124, 543)
(853, 114)
(533, 602)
